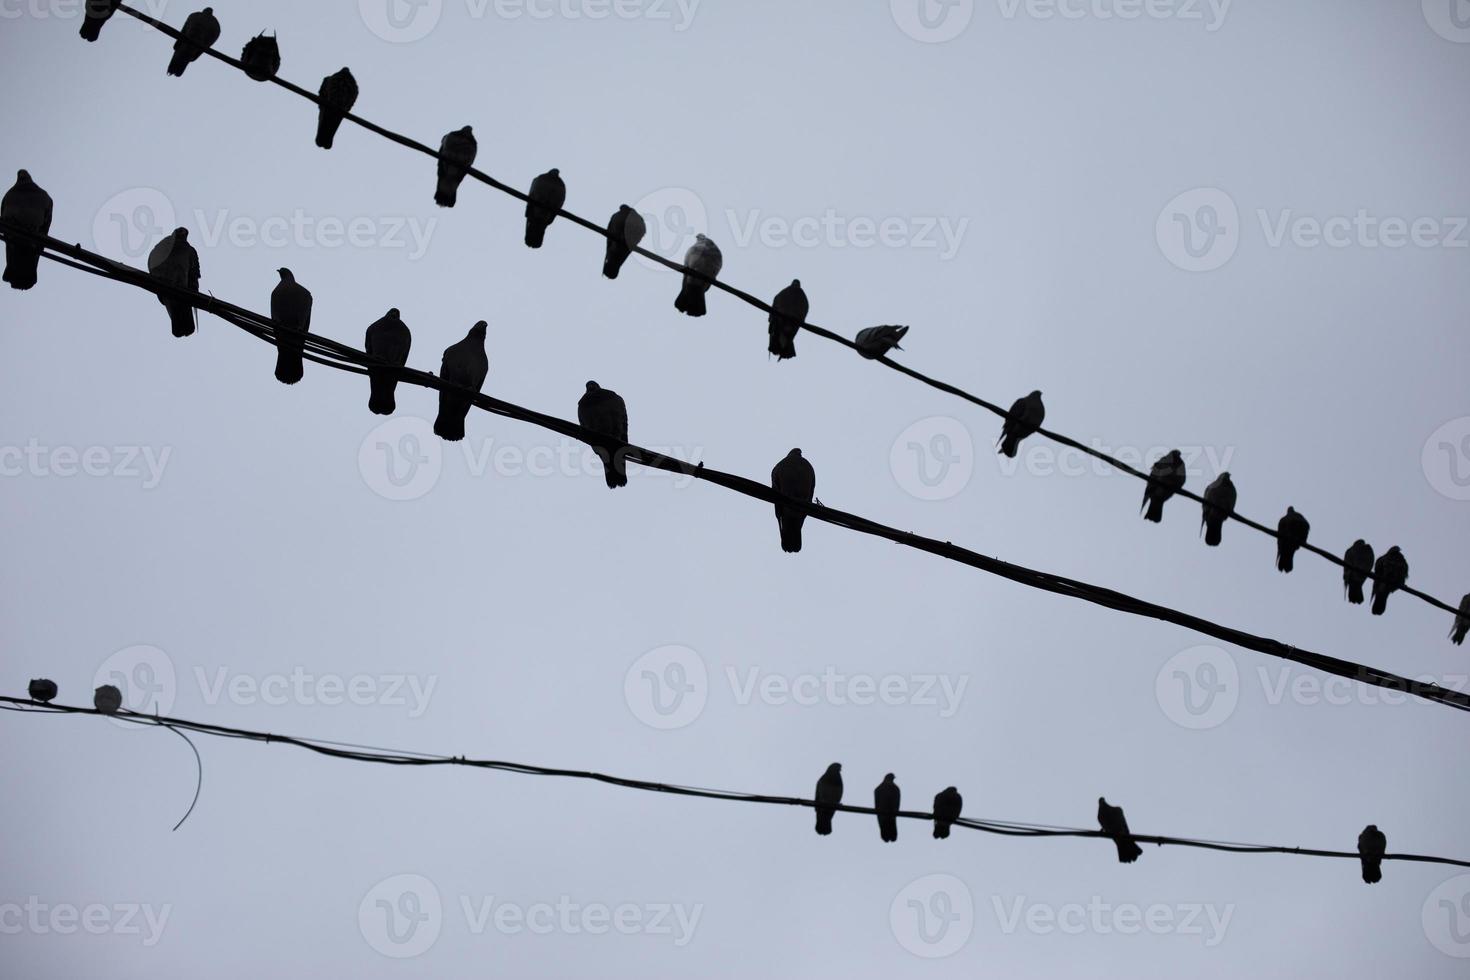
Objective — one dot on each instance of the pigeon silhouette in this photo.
(829, 791)
(1372, 845)
(456, 156)
(625, 230)
(704, 258)
(876, 342)
(200, 31)
(1219, 504)
(793, 477)
(28, 209)
(465, 367)
(261, 57)
(1291, 534)
(389, 341)
(947, 806)
(335, 100)
(604, 412)
(886, 797)
(1389, 575)
(788, 313)
(1024, 418)
(40, 688)
(1115, 825)
(107, 699)
(1165, 480)
(174, 261)
(291, 314)
(1357, 565)
(1462, 622)
(548, 194)
(97, 13)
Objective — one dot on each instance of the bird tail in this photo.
(941, 829)
(535, 232)
(1212, 532)
(613, 264)
(783, 341)
(1285, 559)
(178, 63)
(1009, 446)
(1380, 601)
(1128, 850)
(824, 822)
(615, 468)
(382, 385)
(1355, 593)
(181, 318)
(449, 425)
(91, 29)
(289, 366)
(888, 828)
(1155, 510)
(327, 124)
(1457, 635)
(691, 298)
(22, 262)
(791, 534)
(1372, 872)
(447, 192)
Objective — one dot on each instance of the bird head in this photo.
(1035, 396)
(700, 238)
(181, 234)
(209, 10)
(468, 131)
(888, 778)
(286, 275)
(592, 386)
(952, 790)
(624, 207)
(794, 454)
(478, 330)
(796, 283)
(1394, 550)
(23, 177)
(1102, 801)
(394, 314)
(554, 172)
(834, 769)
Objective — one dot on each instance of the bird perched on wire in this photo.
(947, 805)
(291, 314)
(107, 699)
(788, 313)
(261, 57)
(886, 797)
(174, 261)
(456, 156)
(97, 13)
(42, 690)
(1024, 418)
(28, 208)
(1462, 622)
(876, 342)
(829, 792)
(389, 341)
(335, 100)
(625, 231)
(463, 370)
(793, 477)
(1389, 575)
(1219, 504)
(1291, 534)
(1165, 480)
(1115, 825)
(1357, 565)
(604, 412)
(200, 31)
(704, 258)
(548, 194)
(1372, 845)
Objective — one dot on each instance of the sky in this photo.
(1234, 228)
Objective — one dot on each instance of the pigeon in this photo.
(788, 313)
(548, 194)
(1389, 575)
(335, 100)
(1462, 623)
(28, 208)
(97, 13)
(291, 314)
(886, 797)
(465, 367)
(107, 699)
(174, 261)
(1357, 564)
(388, 340)
(605, 413)
(1024, 418)
(704, 258)
(625, 230)
(1291, 534)
(1371, 847)
(946, 811)
(200, 31)
(1115, 825)
(456, 156)
(1165, 480)
(829, 791)
(876, 342)
(793, 477)
(1219, 504)
(42, 690)
(261, 57)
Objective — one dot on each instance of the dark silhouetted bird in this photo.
(107, 699)
(175, 262)
(625, 230)
(1024, 418)
(388, 340)
(1166, 479)
(1357, 565)
(42, 689)
(335, 100)
(886, 797)
(703, 257)
(788, 313)
(456, 156)
(947, 806)
(1291, 534)
(1389, 575)
(97, 13)
(200, 31)
(876, 342)
(465, 367)
(547, 195)
(604, 412)
(261, 57)
(1115, 825)
(1372, 845)
(291, 314)
(1219, 504)
(829, 791)
(1462, 623)
(28, 208)
(793, 477)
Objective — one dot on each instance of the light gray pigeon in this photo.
(793, 477)
(389, 341)
(947, 806)
(1166, 479)
(704, 258)
(465, 368)
(1219, 504)
(1291, 533)
(1372, 845)
(97, 13)
(291, 314)
(604, 412)
(886, 797)
(1115, 825)
(789, 312)
(1024, 418)
(335, 100)
(1389, 575)
(28, 208)
(829, 791)
(625, 231)
(876, 342)
(200, 31)
(456, 156)
(547, 195)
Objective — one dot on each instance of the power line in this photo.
(759, 304)
(344, 358)
(395, 757)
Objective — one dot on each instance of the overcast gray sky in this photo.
(1239, 229)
